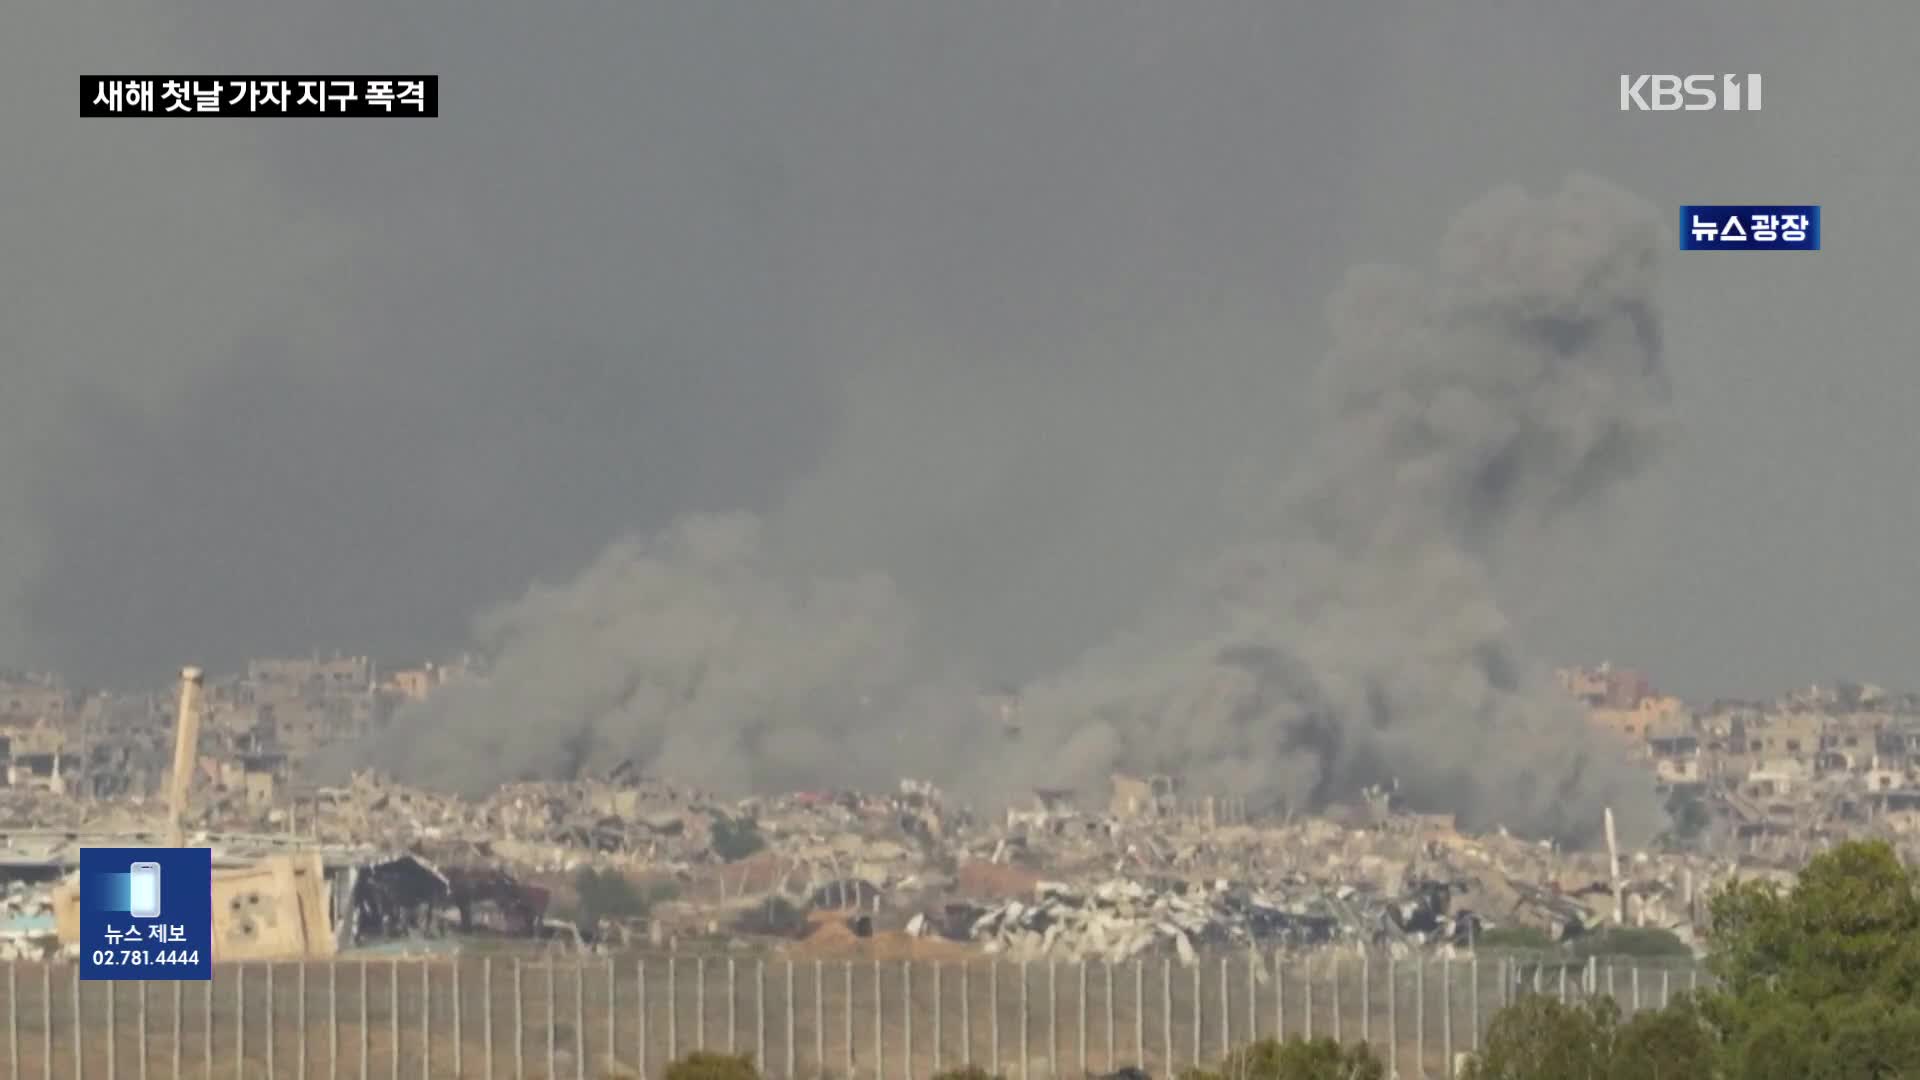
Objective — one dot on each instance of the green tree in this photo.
(609, 894)
(736, 838)
(1690, 816)
(1538, 1038)
(1634, 941)
(1525, 938)
(970, 1072)
(1295, 1059)
(1821, 980)
(704, 1065)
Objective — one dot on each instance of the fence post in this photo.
(879, 1026)
(639, 1022)
(1393, 1016)
(1366, 995)
(1197, 965)
(365, 1035)
(1473, 998)
(579, 1019)
(299, 1004)
(848, 1006)
(1279, 995)
(1140, 1012)
(613, 1014)
(1420, 1013)
(519, 1023)
(239, 1020)
(486, 1014)
(13, 1019)
(760, 1013)
(1107, 967)
(1226, 1010)
(700, 1003)
(673, 1013)
(1083, 1016)
(456, 1015)
(79, 1021)
(1053, 1021)
(1446, 1010)
(966, 1015)
(819, 1018)
(1306, 993)
(46, 1030)
(426, 1020)
(792, 1060)
(936, 1018)
(393, 1017)
(993, 1016)
(1334, 964)
(1166, 1014)
(553, 1026)
(1665, 973)
(1026, 1018)
(733, 998)
(906, 1018)
(1633, 976)
(1252, 992)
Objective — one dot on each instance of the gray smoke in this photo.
(684, 653)
(1355, 639)
(1467, 410)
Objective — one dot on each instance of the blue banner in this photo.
(1749, 228)
(146, 913)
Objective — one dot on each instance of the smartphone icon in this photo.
(143, 892)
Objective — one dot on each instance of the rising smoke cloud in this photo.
(1357, 641)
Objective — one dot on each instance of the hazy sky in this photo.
(1007, 301)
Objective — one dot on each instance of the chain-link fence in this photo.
(555, 1017)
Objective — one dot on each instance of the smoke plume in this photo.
(1354, 639)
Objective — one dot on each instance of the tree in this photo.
(1295, 1059)
(1690, 816)
(608, 894)
(1820, 981)
(1814, 983)
(705, 1065)
(735, 838)
(969, 1072)
(1538, 1038)
(1525, 938)
(1648, 942)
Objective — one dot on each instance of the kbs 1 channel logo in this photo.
(1749, 228)
(1690, 93)
(146, 914)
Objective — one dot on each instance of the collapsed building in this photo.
(1145, 868)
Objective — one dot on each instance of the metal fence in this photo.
(554, 1017)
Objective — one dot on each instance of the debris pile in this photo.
(1121, 919)
(27, 929)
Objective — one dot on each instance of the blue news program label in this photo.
(1749, 228)
(146, 913)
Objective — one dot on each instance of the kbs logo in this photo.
(1694, 93)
